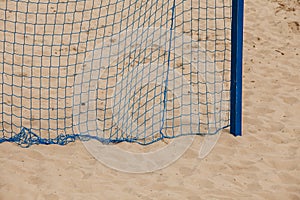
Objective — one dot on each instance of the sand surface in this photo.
(263, 164)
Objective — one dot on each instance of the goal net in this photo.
(113, 70)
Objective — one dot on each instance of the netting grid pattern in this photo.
(130, 70)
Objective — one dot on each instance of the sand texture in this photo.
(262, 164)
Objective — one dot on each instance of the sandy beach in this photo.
(262, 164)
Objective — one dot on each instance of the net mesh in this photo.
(130, 70)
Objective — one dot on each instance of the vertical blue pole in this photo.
(236, 67)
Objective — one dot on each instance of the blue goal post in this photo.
(236, 67)
(119, 70)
